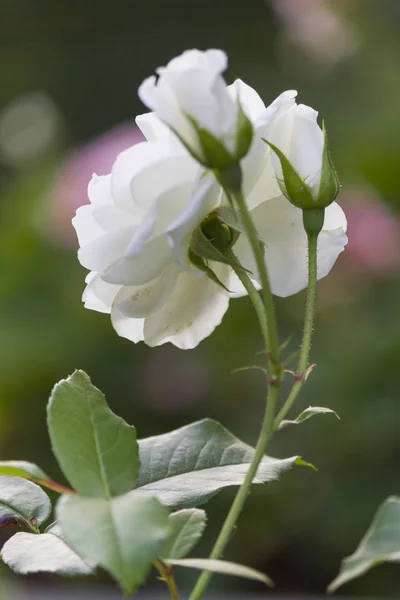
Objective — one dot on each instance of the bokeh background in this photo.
(69, 72)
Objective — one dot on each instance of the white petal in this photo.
(192, 312)
(234, 285)
(148, 251)
(142, 301)
(194, 95)
(298, 135)
(257, 166)
(154, 130)
(157, 179)
(335, 217)
(213, 59)
(281, 105)
(205, 199)
(191, 85)
(87, 229)
(98, 294)
(217, 60)
(280, 227)
(131, 329)
(159, 96)
(165, 210)
(152, 127)
(250, 101)
(307, 146)
(110, 218)
(266, 187)
(99, 190)
(139, 268)
(131, 163)
(105, 250)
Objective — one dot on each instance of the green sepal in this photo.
(293, 186)
(204, 247)
(244, 133)
(219, 234)
(215, 154)
(219, 239)
(330, 185)
(201, 264)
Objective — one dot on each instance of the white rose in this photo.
(301, 159)
(192, 98)
(135, 235)
(123, 237)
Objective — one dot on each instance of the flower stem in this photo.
(242, 494)
(301, 373)
(167, 576)
(231, 181)
(273, 341)
(254, 296)
(266, 315)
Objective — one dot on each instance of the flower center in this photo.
(218, 233)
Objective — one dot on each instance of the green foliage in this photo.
(188, 466)
(223, 567)
(96, 449)
(24, 501)
(22, 468)
(187, 528)
(309, 412)
(123, 534)
(106, 523)
(28, 553)
(380, 544)
(30, 471)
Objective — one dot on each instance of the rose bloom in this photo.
(190, 94)
(134, 236)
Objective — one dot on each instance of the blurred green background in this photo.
(69, 72)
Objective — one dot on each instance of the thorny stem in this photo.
(301, 373)
(254, 296)
(266, 314)
(273, 341)
(167, 576)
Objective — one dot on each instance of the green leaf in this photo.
(223, 567)
(30, 471)
(55, 529)
(28, 553)
(22, 468)
(123, 535)
(187, 528)
(309, 412)
(188, 466)
(96, 450)
(380, 544)
(24, 500)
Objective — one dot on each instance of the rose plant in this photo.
(225, 198)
